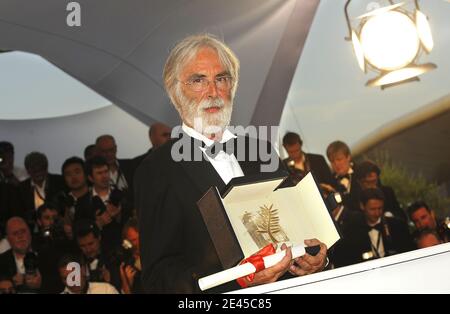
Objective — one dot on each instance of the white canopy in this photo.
(120, 48)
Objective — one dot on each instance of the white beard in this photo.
(196, 116)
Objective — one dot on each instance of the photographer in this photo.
(424, 217)
(130, 267)
(83, 286)
(20, 263)
(51, 235)
(101, 265)
(105, 205)
(40, 188)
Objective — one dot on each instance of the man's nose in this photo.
(212, 89)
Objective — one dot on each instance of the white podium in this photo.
(421, 271)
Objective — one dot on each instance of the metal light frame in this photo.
(365, 64)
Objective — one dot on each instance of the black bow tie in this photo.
(345, 176)
(378, 227)
(213, 150)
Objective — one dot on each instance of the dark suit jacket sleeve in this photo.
(400, 235)
(160, 222)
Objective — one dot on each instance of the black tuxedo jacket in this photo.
(47, 265)
(176, 249)
(356, 240)
(138, 159)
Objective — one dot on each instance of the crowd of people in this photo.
(87, 215)
(108, 225)
(369, 217)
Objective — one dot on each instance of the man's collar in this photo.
(226, 136)
(378, 221)
(94, 192)
(34, 185)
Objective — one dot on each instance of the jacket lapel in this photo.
(201, 172)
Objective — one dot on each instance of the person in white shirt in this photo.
(73, 274)
(119, 170)
(201, 77)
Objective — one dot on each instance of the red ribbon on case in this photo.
(257, 261)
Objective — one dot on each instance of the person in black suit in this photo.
(42, 187)
(340, 158)
(35, 277)
(367, 174)
(158, 134)
(300, 163)
(200, 75)
(121, 171)
(372, 235)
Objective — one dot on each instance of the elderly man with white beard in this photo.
(201, 77)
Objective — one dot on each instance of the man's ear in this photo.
(90, 178)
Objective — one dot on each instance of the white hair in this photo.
(184, 52)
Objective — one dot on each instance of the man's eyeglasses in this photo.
(200, 84)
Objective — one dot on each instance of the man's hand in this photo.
(18, 279)
(33, 281)
(127, 274)
(271, 274)
(308, 264)
(103, 219)
(113, 210)
(106, 275)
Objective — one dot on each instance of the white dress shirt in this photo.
(39, 194)
(347, 183)
(117, 178)
(104, 198)
(226, 165)
(96, 288)
(376, 239)
(20, 266)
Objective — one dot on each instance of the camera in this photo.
(31, 264)
(65, 200)
(98, 205)
(95, 267)
(125, 254)
(116, 197)
(54, 233)
(333, 200)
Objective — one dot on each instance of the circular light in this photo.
(389, 40)
(380, 10)
(401, 75)
(423, 28)
(358, 51)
